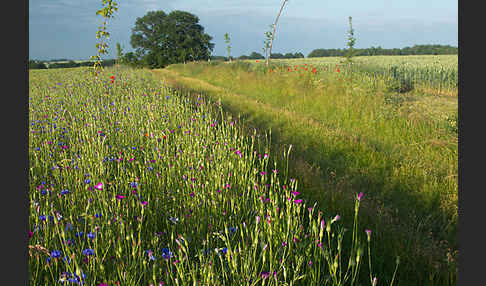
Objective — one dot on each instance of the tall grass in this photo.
(354, 136)
(133, 183)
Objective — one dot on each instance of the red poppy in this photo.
(337, 69)
(314, 70)
(112, 77)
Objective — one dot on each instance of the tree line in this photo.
(36, 64)
(378, 51)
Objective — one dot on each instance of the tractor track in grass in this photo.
(388, 217)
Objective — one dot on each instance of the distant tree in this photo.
(228, 47)
(34, 64)
(288, 56)
(161, 39)
(351, 41)
(243, 57)
(119, 53)
(130, 58)
(256, 56)
(266, 42)
(218, 58)
(276, 56)
(298, 55)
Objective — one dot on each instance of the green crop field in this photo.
(429, 73)
(238, 174)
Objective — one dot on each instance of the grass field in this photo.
(132, 183)
(138, 183)
(352, 134)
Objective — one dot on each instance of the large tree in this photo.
(161, 39)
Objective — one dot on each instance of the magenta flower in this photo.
(295, 193)
(298, 201)
(120, 197)
(144, 203)
(360, 195)
(99, 186)
(368, 233)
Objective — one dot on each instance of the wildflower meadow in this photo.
(134, 183)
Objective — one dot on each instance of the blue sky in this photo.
(67, 28)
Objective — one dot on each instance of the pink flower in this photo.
(336, 218)
(144, 203)
(360, 195)
(99, 186)
(120, 197)
(298, 201)
(368, 233)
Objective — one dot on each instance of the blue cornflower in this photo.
(166, 254)
(87, 181)
(224, 250)
(43, 192)
(64, 192)
(232, 229)
(79, 234)
(91, 235)
(76, 279)
(37, 149)
(98, 215)
(150, 254)
(134, 184)
(42, 217)
(88, 251)
(55, 254)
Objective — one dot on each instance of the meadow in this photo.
(134, 183)
(304, 173)
(353, 132)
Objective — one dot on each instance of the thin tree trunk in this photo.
(273, 33)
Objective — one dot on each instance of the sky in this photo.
(67, 28)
